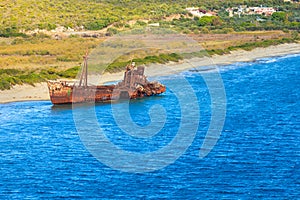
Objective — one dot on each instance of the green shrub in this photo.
(31, 78)
(10, 77)
(223, 31)
(64, 59)
(141, 23)
(204, 30)
(10, 72)
(4, 84)
(112, 31)
(206, 20)
(279, 16)
(295, 35)
(69, 73)
(96, 25)
(161, 58)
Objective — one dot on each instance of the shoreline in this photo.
(40, 90)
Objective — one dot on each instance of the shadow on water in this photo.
(61, 107)
(64, 107)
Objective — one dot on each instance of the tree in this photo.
(205, 20)
(216, 21)
(279, 16)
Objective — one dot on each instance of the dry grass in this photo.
(223, 41)
(32, 53)
(39, 53)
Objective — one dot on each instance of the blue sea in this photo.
(48, 151)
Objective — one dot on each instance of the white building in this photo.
(262, 10)
(243, 10)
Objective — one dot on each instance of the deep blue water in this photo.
(257, 155)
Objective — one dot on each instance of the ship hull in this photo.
(134, 85)
(105, 93)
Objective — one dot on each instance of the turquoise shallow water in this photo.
(257, 155)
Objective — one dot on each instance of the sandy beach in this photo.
(40, 91)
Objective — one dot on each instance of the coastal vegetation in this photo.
(12, 76)
(34, 46)
(19, 17)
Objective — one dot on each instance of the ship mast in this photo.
(83, 76)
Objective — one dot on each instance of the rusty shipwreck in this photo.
(134, 85)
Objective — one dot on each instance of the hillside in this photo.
(24, 15)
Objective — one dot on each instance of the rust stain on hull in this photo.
(134, 85)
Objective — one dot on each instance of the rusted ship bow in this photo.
(134, 85)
